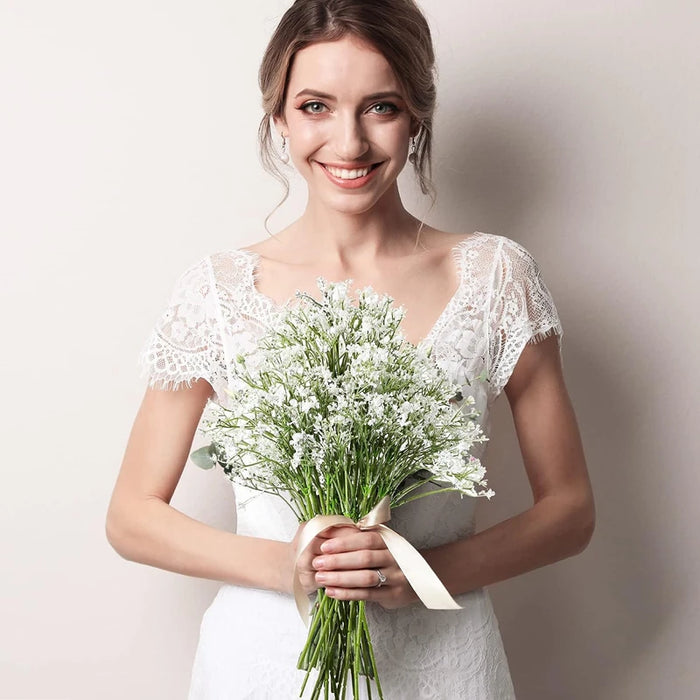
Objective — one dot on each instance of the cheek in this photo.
(305, 133)
(398, 147)
(394, 138)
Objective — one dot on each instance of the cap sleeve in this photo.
(185, 343)
(522, 311)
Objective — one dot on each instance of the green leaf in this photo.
(204, 457)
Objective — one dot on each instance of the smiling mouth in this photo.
(350, 173)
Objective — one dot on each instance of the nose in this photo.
(350, 140)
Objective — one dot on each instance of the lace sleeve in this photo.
(522, 311)
(185, 343)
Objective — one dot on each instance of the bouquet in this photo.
(336, 413)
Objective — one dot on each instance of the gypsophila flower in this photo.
(332, 411)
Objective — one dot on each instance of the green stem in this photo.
(427, 493)
(371, 655)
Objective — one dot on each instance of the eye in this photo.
(317, 107)
(385, 108)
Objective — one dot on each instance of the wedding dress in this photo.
(249, 638)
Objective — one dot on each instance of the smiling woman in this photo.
(349, 87)
(349, 138)
(396, 31)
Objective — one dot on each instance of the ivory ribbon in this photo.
(417, 571)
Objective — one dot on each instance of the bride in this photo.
(348, 87)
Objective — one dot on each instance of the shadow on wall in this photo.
(574, 629)
(498, 167)
(577, 628)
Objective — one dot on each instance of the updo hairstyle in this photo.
(396, 28)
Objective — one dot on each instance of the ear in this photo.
(415, 126)
(280, 124)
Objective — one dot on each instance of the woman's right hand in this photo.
(141, 524)
(305, 568)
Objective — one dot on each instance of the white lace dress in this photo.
(249, 638)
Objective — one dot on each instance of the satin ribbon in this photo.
(418, 573)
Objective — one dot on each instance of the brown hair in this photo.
(397, 28)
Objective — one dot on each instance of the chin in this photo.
(346, 205)
(353, 203)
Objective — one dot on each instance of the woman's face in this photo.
(346, 123)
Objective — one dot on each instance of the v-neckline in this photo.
(457, 253)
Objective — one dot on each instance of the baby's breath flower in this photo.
(331, 376)
(334, 409)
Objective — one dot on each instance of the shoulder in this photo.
(194, 277)
(487, 249)
(520, 297)
(504, 257)
(489, 256)
(198, 284)
(481, 241)
(221, 269)
(501, 245)
(229, 256)
(515, 252)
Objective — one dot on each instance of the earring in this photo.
(285, 156)
(412, 151)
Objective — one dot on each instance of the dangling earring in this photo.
(412, 151)
(285, 156)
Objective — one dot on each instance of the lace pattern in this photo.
(522, 310)
(249, 639)
(215, 312)
(185, 343)
(422, 654)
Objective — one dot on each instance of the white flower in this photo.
(341, 378)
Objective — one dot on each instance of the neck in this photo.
(348, 239)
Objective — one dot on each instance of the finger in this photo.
(360, 559)
(306, 557)
(381, 595)
(335, 530)
(350, 540)
(363, 578)
(314, 546)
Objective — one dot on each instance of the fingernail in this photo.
(319, 562)
(326, 547)
(321, 578)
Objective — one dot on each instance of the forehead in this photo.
(349, 66)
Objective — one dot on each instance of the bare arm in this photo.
(561, 520)
(559, 523)
(141, 524)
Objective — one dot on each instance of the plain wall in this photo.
(128, 151)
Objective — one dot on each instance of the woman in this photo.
(349, 87)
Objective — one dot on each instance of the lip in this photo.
(351, 166)
(351, 184)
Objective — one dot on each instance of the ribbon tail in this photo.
(417, 571)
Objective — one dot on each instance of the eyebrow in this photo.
(326, 96)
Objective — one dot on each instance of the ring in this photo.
(382, 579)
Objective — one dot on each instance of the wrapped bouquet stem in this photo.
(339, 415)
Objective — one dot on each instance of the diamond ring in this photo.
(382, 579)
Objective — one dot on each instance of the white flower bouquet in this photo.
(335, 413)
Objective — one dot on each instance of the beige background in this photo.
(127, 151)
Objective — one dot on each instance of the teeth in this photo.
(344, 174)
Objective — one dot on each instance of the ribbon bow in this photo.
(417, 571)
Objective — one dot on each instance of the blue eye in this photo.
(312, 111)
(388, 108)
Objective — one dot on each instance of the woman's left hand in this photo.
(348, 565)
